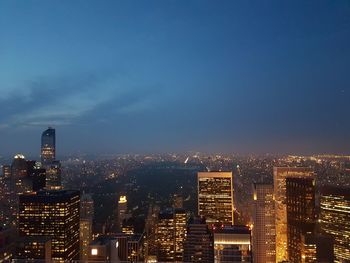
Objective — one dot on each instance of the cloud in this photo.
(65, 100)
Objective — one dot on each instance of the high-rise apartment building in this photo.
(264, 230)
(48, 146)
(199, 242)
(215, 197)
(301, 216)
(280, 175)
(53, 214)
(335, 219)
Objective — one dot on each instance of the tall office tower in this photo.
(85, 237)
(19, 173)
(37, 174)
(199, 242)
(86, 219)
(301, 216)
(170, 234)
(86, 206)
(53, 175)
(264, 229)
(48, 146)
(150, 229)
(122, 210)
(279, 177)
(180, 220)
(335, 219)
(53, 214)
(232, 244)
(215, 197)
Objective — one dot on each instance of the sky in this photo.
(175, 75)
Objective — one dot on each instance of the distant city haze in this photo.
(174, 76)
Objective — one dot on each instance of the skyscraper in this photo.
(199, 242)
(280, 175)
(264, 230)
(86, 219)
(301, 216)
(122, 211)
(335, 219)
(215, 197)
(53, 214)
(53, 175)
(48, 146)
(170, 234)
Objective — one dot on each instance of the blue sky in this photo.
(158, 76)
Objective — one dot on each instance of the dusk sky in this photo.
(172, 76)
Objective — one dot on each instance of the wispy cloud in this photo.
(62, 100)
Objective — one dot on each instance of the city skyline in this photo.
(122, 77)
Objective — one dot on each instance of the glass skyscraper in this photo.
(48, 146)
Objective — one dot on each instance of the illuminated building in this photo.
(232, 244)
(48, 146)
(316, 248)
(215, 197)
(48, 159)
(170, 234)
(264, 230)
(301, 217)
(85, 237)
(53, 175)
(37, 174)
(279, 176)
(54, 214)
(116, 248)
(199, 242)
(180, 220)
(86, 206)
(150, 229)
(335, 219)
(86, 219)
(122, 210)
(34, 249)
(19, 173)
(6, 171)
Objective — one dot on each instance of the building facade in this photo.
(335, 219)
(264, 230)
(301, 216)
(215, 197)
(53, 214)
(280, 175)
(199, 242)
